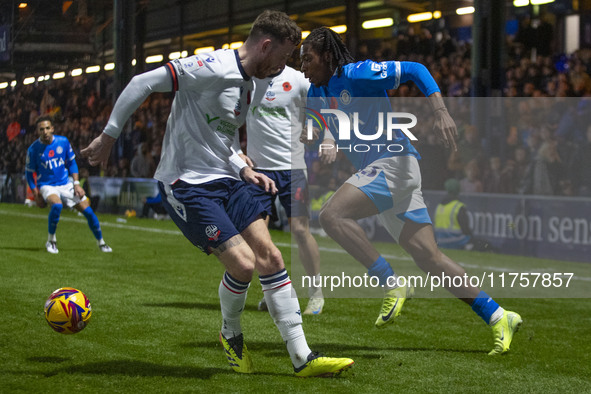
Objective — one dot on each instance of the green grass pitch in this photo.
(156, 320)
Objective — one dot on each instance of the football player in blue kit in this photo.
(52, 158)
(388, 182)
(201, 180)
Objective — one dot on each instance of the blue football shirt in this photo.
(52, 162)
(361, 88)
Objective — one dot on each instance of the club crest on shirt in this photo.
(270, 95)
(59, 150)
(212, 232)
(345, 97)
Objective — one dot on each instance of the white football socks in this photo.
(232, 294)
(284, 308)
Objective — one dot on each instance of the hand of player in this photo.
(304, 138)
(39, 199)
(99, 150)
(79, 191)
(246, 159)
(328, 151)
(446, 129)
(251, 176)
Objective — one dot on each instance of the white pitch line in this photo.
(281, 244)
(103, 224)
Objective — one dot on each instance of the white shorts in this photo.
(394, 186)
(64, 192)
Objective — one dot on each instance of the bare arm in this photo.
(444, 126)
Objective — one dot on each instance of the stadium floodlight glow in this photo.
(174, 55)
(226, 46)
(154, 59)
(305, 33)
(377, 23)
(93, 69)
(109, 66)
(236, 44)
(133, 62)
(13, 83)
(436, 14)
(203, 50)
(3, 85)
(340, 29)
(465, 10)
(41, 78)
(520, 3)
(28, 81)
(420, 17)
(22, 5)
(184, 54)
(75, 72)
(538, 2)
(59, 75)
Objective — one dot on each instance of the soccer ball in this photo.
(67, 310)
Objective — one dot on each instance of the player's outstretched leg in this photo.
(284, 308)
(95, 226)
(310, 258)
(232, 294)
(53, 219)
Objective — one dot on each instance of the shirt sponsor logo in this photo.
(276, 112)
(227, 128)
(383, 67)
(209, 120)
(53, 163)
(210, 59)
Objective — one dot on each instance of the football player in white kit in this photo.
(199, 179)
(274, 125)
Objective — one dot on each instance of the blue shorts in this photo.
(210, 213)
(292, 188)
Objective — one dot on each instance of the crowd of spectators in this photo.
(549, 157)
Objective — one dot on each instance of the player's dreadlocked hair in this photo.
(323, 40)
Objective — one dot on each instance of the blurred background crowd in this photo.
(547, 152)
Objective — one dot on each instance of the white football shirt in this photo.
(212, 98)
(274, 122)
